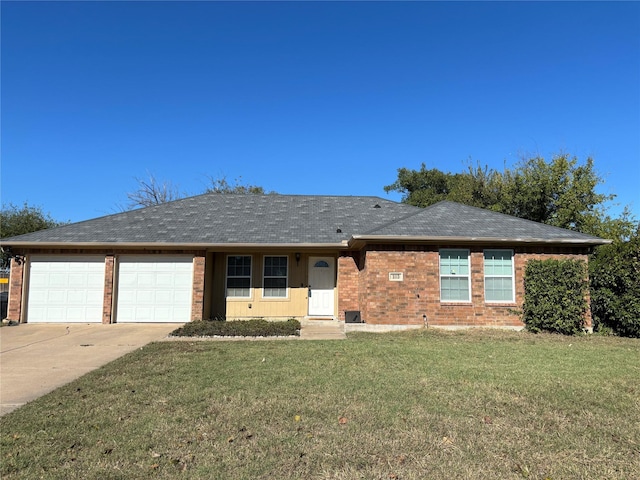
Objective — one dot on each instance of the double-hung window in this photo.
(498, 276)
(239, 276)
(275, 277)
(454, 275)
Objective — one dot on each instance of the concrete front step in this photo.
(321, 330)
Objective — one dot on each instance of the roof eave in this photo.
(357, 241)
(173, 246)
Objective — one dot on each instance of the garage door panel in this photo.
(164, 314)
(36, 312)
(127, 277)
(126, 297)
(143, 314)
(55, 297)
(65, 288)
(182, 297)
(94, 297)
(164, 294)
(77, 314)
(58, 280)
(163, 298)
(145, 279)
(76, 280)
(183, 278)
(144, 297)
(76, 297)
(55, 314)
(95, 280)
(37, 298)
(165, 280)
(154, 289)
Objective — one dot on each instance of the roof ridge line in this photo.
(401, 219)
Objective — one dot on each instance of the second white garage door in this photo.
(154, 289)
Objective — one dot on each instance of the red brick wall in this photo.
(107, 303)
(417, 297)
(197, 302)
(14, 308)
(347, 283)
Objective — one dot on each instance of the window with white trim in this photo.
(498, 276)
(239, 276)
(454, 275)
(274, 279)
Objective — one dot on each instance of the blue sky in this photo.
(308, 98)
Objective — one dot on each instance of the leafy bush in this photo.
(256, 327)
(614, 272)
(555, 296)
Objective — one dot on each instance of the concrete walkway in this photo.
(321, 330)
(38, 358)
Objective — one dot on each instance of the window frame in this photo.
(512, 275)
(468, 275)
(227, 277)
(264, 277)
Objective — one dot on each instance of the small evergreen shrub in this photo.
(256, 327)
(555, 296)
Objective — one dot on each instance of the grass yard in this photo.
(421, 404)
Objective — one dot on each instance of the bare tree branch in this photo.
(152, 192)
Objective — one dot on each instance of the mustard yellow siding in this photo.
(294, 305)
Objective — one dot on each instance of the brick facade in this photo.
(14, 308)
(197, 300)
(362, 284)
(416, 299)
(347, 284)
(107, 304)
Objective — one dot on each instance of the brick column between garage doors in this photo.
(197, 299)
(107, 305)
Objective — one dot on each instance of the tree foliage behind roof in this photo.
(561, 192)
(16, 220)
(155, 192)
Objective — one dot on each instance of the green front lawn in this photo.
(421, 404)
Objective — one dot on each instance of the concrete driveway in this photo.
(38, 358)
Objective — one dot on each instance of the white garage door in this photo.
(154, 289)
(65, 289)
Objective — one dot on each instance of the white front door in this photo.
(322, 282)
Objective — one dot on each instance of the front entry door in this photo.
(322, 282)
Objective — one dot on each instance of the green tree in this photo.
(477, 186)
(561, 192)
(16, 220)
(221, 185)
(614, 274)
